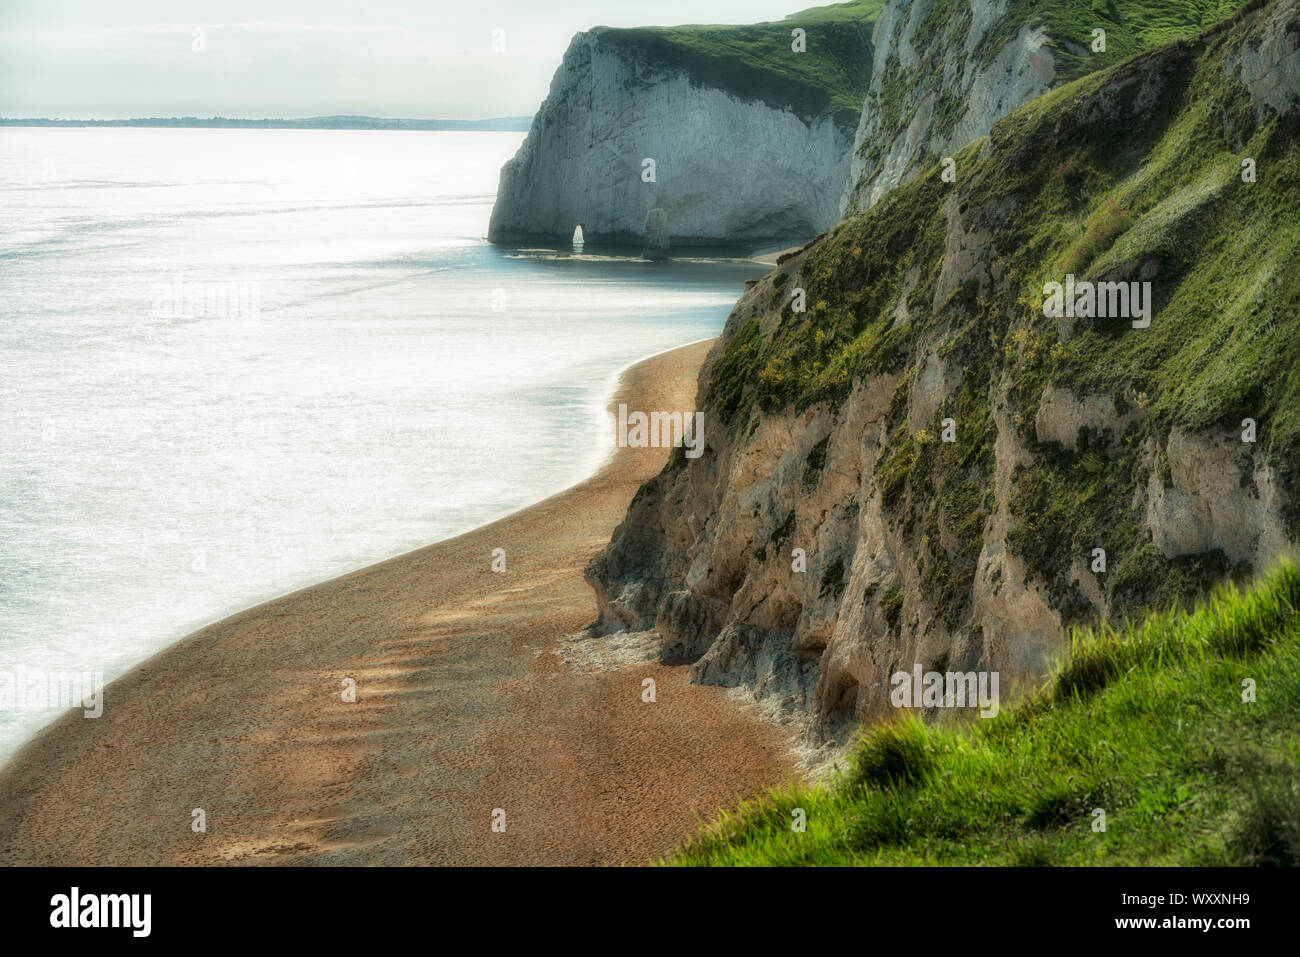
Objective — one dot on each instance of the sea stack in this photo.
(656, 235)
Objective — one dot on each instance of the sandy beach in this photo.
(769, 259)
(464, 705)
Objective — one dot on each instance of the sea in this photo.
(234, 363)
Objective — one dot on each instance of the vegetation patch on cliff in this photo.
(911, 79)
(1178, 729)
(1131, 26)
(756, 61)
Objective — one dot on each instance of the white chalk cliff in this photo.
(727, 168)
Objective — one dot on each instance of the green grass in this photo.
(1131, 26)
(1146, 722)
(756, 61)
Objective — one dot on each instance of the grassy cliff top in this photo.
(1149, 724)
(755, 61)
(1131, 26)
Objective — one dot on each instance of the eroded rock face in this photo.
(1269, 62)
(1067, 419)
(922, 106)
(726, 169)
(1218, 496)
(707, 554)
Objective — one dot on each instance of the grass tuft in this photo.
(892, 754)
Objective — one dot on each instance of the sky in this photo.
(115, 59)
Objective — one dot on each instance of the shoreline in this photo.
(769, 259)
(600, 408)
(464, 704)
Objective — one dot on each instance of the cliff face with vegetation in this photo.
(945, 70)
(925, 321)
(750, 138)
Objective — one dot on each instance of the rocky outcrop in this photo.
(1216, 494)
(941, 79)
(1268, 62)
(627, 129)
(923, 470)
(656, 235)
(946, 70)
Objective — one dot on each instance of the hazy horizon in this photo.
(290, 59)
(256, 119)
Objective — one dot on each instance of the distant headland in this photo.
(495, 124)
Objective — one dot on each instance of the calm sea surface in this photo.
(237, 362)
